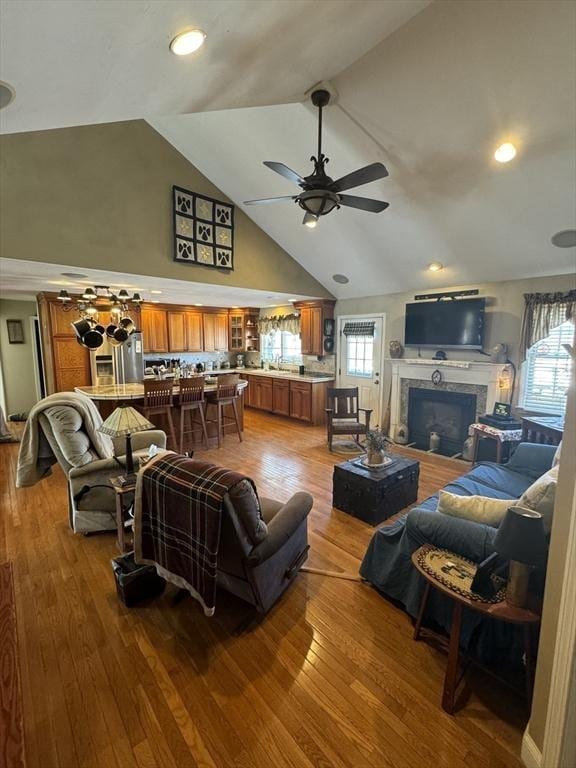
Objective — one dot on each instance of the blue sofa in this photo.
(387, 563)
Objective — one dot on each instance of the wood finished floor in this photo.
(331, 677)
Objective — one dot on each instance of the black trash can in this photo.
(136, 583)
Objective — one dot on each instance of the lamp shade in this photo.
(125, 420)
(521, 537)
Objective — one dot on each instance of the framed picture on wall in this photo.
(15, 331)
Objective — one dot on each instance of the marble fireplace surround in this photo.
(485, 380)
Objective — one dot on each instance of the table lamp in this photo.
(125, 420)
(521, 539)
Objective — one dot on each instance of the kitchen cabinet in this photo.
(71, 364)
(66, 363)
(281, 397)
(301, 400)
(215, 332)
(176, 331)
(194, 338)
(154, 327)
(312, 317)
(263, 393)
(251, 333)
(236, 320)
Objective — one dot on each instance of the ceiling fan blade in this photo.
(283, 170)
(363, 203)
(270, 200)
(364, 175)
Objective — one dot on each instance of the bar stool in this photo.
(159, 401)
(192, 399)
(226, 394)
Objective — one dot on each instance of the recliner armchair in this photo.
(257, 566)
(58, 433)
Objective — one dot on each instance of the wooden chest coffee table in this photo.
(374, 495)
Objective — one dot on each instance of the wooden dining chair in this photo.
(226, 394)
(191, 400)
(343, 414)
(159, 401)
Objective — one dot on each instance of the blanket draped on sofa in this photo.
(177, 521)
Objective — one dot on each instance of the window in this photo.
(359, 356)
(548, 370)
(282, 343)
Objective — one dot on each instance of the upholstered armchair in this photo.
(63, 428)
(257, 563)
(343, 414)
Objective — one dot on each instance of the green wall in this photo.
(17, 359)
(100, 196)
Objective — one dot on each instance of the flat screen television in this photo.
(458, 323)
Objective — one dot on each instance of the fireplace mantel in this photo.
(495, 377)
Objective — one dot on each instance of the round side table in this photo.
(501, 611)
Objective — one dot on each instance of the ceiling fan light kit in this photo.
(321, 194)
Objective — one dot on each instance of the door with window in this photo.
(360, 359)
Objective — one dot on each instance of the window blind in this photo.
(365, 328)
(548, 371)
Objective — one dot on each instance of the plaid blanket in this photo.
(177, 518)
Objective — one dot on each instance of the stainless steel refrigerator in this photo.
(129, 360)
(118, 365)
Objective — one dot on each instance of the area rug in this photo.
(347, 448)
(11, 722)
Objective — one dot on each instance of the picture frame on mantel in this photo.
(15, 331)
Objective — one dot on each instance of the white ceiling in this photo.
(77, 62)
(431, 102)
(24, 279)
(430, 94)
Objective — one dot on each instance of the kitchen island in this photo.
(110, 396)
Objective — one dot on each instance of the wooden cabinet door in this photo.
(221, 333)
(60, 321)
(301, 401)
(316, 331)
(306, 330)
(147, 328)
(249, 391)
(236, 327)
(71, 364)
(209, 324)
(194, 332)
(176, 331)
(281, 397)
(161, 330)
(154, 326)
(265, 395)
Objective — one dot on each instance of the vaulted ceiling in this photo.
(430, 90)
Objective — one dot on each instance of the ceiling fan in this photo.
(321, 194)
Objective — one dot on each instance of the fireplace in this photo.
(447, 413)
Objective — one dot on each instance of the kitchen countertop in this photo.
(275, 374)
(131, 391)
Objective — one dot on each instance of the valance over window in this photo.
(289, 323)
(365, 328)
(542, 313)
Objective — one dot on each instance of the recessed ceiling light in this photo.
(340, 279)
(505, 153)
(565, 239)
(73, 275)
(155, 291)
(7, 94)
(187, 42)
(435, 266)
(198, 305)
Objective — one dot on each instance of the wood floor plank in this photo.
(331, 678)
